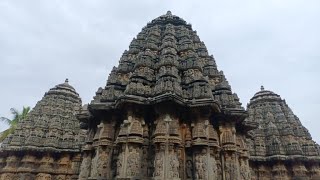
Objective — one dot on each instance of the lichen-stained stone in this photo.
(280, 139)
(167, 60)
(47, 140)
(166, 113)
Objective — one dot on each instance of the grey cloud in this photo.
(274, 43)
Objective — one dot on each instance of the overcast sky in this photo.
(274, 43)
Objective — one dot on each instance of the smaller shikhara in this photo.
(280, 147)
(166, 113)
(47, 143)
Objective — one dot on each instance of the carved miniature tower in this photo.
(281, 148)
(166, 113)
(45, 145)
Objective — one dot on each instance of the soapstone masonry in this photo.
(280, 147)
(166, 113)
(47, 144)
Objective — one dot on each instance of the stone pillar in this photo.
(243, 157)
(8, 176)
(299, 171)
(203, 154)
(46, 166)
(64, 164)
(27, 163)
(279, 171)
(264, 173)
(94, 164)
(7, 173)
(75, 165)
(244, 169)
(314, 171)
(130, 140)
(230, 158)
(12, 163)
(85, 165)
(147, 167)
(106, 139)
(166, 141)
(204, 143)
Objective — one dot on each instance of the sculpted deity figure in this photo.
(103, 163)
(228, 171)
(244, 172)
(158, 164)
(189, 169)
(119, 163)
(199, 167)
(174, 166)
(133, 163)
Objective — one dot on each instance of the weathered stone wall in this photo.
(167, 146)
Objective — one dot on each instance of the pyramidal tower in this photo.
(45, 145)
(281, 147)
(165, 113)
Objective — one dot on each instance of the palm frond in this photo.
(14, 111)
(6, 120)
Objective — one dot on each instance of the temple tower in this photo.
(281, 147)
(166, 113)
(45, 145)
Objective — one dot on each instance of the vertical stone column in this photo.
(299, 170)
(243, 157)
(85, 165)
(205, 143)
(105, 148)
(9, 168)
(314, 171)
(130, 139)
(279, 171)
(147, 160)
(63, 164)
(188, 155)
(27, 163)
(75, 164)
(11, 163)
(46, 166)
(166, 141)
(264, 173)
(230, 161)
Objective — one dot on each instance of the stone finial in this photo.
(262, 88)
(169, 13)
(67, 80)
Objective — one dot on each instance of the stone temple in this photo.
(166, 113)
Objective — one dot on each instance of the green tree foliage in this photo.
(17, 117)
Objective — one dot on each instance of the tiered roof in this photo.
(51, 125)
(167, 61)
(280, 134)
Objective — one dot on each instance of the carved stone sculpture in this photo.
(166, 113)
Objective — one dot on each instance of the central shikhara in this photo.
(166, 113)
